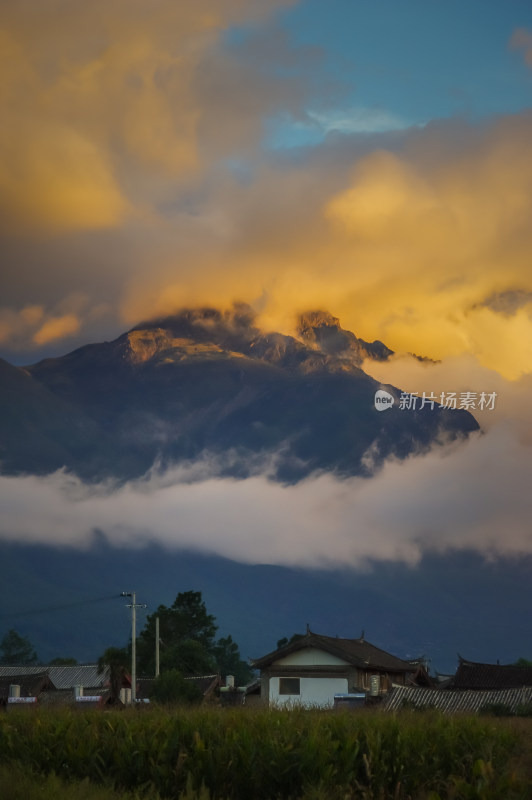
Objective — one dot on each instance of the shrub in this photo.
(171, 687)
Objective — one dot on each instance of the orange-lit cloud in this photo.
(121, 124)
(43, 325)
(57, 328)
(99, 102)
(408, 247)
(522, 40)
(18, 325)
(32, 315)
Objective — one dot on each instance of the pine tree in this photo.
(17, 649)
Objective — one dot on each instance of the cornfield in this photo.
(224, 754)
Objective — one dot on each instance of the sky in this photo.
(370, 158)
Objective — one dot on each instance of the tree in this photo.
(118, 661)
(285, 640)
(186, 633)
(523, 662)
(187, 644)
(62, 662)
(229, 661)
(17, 649)
(171, 687)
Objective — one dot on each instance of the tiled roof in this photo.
(206, 683)
(357, 652)
(455, 701)
(474, 675)
(63, 677)
(30, 685)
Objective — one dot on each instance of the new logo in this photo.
(383, 400)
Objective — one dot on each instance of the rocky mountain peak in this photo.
(320, 340)
(144, 344)
(309, 321)
(323, 331)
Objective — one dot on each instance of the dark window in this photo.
(289, 686)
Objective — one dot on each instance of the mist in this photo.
(467, 496)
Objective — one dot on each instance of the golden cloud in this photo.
(42, 325)
(116, 115)
(17, 325)
(98, 104)
(405, 246)
(57, 328)
(522, 40)
(439, 237)
(32, 315)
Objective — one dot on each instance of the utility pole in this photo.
(133, 606)
(157, 661)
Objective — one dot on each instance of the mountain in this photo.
(67, 601)
(39, 430)
(209, 383)
(206, 383)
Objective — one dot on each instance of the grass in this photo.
(237, 754)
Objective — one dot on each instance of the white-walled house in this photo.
(313, 668)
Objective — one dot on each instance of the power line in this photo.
(64, 607)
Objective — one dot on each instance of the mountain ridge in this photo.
(205, 381)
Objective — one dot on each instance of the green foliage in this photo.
(229, 662)
(187, 644)
(189, 656)
(186, 633)
(286, 640)
(504, 710)
(17, 783)
(523, 662)
(17, 649)
(497, 710)
(524, 710)
(240, 754)
(171, 687)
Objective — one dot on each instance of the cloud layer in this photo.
(473, 496)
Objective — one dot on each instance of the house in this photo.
(420, 674)
(454, 701)
(64, 676)
(21, 689)
(252, 693)
(476, 675)
(79, 684)
(310, 670)
(207, 685)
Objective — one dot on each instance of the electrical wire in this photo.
(62, 607)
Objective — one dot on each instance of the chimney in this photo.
(125, 696)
